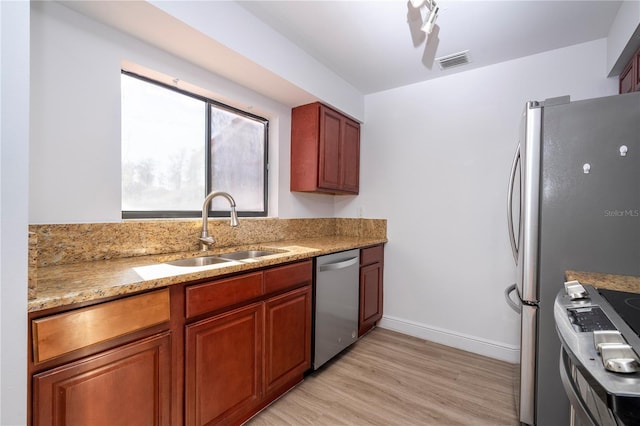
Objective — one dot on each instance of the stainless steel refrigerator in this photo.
(573, 204)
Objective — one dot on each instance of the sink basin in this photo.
(247, 254)
(221, 258)
(198, 261)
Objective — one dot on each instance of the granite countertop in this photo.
(628, 283)
(62, 285)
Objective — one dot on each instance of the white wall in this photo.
(435, 162)
(14, 149)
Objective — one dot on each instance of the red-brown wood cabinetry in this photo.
(629, 79)
(238, 359)
(287, 351)
(325, 151)
(196, 353)
(371, 287)
(104, 364)
(126, 385)
(223, 358)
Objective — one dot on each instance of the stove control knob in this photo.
(619, 358)
(605, 337)
(575, 290)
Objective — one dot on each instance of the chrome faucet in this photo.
(207, 240)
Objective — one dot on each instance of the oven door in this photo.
(588, 404)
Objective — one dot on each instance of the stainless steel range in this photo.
(599, 364)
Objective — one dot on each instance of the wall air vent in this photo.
(453, 60)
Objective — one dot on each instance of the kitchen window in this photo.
(178, 146)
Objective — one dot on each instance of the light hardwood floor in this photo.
(388, 378)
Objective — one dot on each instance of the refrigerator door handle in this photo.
(507, 295)
(512, 178)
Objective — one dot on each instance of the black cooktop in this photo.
(627, 305)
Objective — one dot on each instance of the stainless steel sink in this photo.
(221, 258)
(247, 254)
(198, 261)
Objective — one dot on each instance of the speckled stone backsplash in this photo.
(33, 264)
(73, 243)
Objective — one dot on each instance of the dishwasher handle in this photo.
(339, 265)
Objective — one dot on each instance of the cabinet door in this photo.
(129, 385)
(223, 366)
(329, 155)
(370, 296)
(325, 151)
(287, 338)
(350, 157)
(636, 71)
(628, 78)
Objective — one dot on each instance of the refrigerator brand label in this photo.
(621, 213)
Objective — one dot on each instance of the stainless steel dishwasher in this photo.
(336, 304)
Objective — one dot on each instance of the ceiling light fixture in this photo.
(432, 9)
(428, 25)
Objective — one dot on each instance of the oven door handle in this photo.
(578, 405)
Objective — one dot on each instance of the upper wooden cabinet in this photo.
(629, 80)
(325, 151)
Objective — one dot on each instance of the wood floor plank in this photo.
(388, 378)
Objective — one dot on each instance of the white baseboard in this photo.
(501, 351)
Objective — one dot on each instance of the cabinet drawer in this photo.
(60, 334)
(214, 295)
(288, 276)
(371, 255)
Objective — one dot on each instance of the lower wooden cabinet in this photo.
(239, 360)
(224, 366)
(287, 351)
(371, 287)
(128, 385)
(199, 353)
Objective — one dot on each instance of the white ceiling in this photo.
(378, 45)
